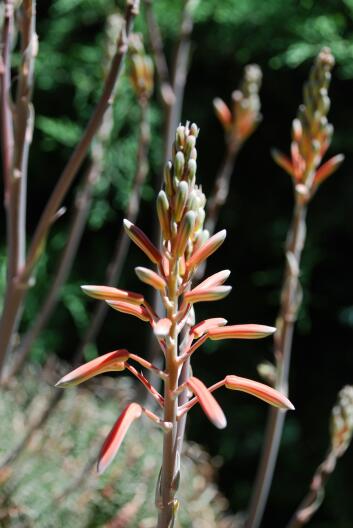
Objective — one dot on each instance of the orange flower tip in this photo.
(246, 331)
(208, 294)
(117, 434)
(214, 280)
(209, 404)
(222, 111)
(259, 390)
(111, 362)
(105, 293)
(162, 327)
(209, 247)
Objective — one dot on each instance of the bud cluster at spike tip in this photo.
(312, 132)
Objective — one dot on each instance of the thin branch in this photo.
(122, 245)
(156, 41)
(290, 302)
(315, 496)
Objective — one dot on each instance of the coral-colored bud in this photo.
(180, 200)
(105, 293)
(150, 277)
(162, 327)
(163, 215)
(208, 402)
(328, 168)
(206, 249)
(185, 231)
(261, 391)
(204, 326)
(297, 130)
(222, 112)
(111, 362)
(142, 241)
(246, 331)
(131, 309)
(214, 280)
(282, 161)
(114, 439)
(210, 294)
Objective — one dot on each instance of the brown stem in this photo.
(314, 498)
(5, 94)
(290, 302)
(169, 474)
(18, 288)
(155, 36)
(82, 207)
(221, 185)
(179, 74)
(123, 242)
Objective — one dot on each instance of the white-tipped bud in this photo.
(180, 200)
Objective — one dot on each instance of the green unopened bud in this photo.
(163, 215)
(193, 201)
(180, 200)
(180, 137)
(194, 130)
(185, 232)
(200, 218)
(168, 178)
(179, 164)
(189, 145)
(193, 154)
(191, 171)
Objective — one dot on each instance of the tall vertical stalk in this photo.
(311, 137)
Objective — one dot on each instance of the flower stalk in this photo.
(311, 137)
(185, 245)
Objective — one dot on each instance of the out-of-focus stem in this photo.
(166, 89)
(179, 75)
(221, 185)
(17, 289)
(5, 94)
(314, 498)
(290, 301)
(122, 244)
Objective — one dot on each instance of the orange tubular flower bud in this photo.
(209, 247)
(261, 391)
(246, 331)
(208, 402)
(204, 326)
(113, 441)
(150, 277)
(328, 168)
(210, 294)
(214, 280)
(222, 112)
(142, 241)
(108, 293)
(111, 362)
(131, 309)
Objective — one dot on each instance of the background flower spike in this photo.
(114, 439)
(259, 390)
(208, 402)
(246, 331)
(113, 361)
